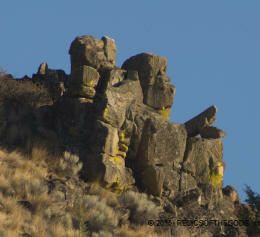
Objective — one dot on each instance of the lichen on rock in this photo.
(117, 121)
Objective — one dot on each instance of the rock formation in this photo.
(117, 121)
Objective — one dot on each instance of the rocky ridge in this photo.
(116, 119)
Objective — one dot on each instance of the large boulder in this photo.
(87, 50)
(162, 144)
(115, 108)
(231, 193)
(159, 156)
(204, 161)
(119, 100)
(205, 119)
(84, 80)
(156, 86)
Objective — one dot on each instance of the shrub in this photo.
(96, 213)
(139, 231)
(101, 234)
(252, 214)
(68, 165)
(141, 208)
(253, 199)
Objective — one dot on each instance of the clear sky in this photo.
(213, 51)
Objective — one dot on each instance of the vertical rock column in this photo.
(158, 146)
(203, 164)
(113, 93)
(88, 56)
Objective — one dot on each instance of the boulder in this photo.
(83, 81)
(203, 160)
(86, 76)
(231, 193)
(120, 100)
(211, 132)
(188, 197)
(111, 78)
(153, 178)
(106, 151)
(116, 175)
(89, 51)
(42, 69)
(204, 119)
(187, 182)
(160, 154)
(157, 89)
(162, 144)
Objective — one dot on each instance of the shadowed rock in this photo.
(231, 193)
(204, 119)
(211, 132)
(115, 119)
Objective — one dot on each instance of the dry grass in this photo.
(141, 208)
(41, 194)
(139, 231)
(12, 216)
(27, 206)
(24, 179)
(106, 195)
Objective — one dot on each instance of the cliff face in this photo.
(117, 121)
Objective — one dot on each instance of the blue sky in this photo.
(213, 51)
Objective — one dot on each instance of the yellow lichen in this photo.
(123, 147)
(122, 136)
(165, 112)
(220, 168)
(216, 176)
(216, 180)
(105, 114)
(118, 190)
(90, 83)
(117, 160)
(121, 154)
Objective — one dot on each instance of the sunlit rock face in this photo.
(96, 53)
(117, 120)
(158, 91)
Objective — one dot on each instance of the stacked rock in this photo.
(127, 133)
(88, 56)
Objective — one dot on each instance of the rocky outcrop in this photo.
(83, 81)
(116, 120)
(160, 154)
(231, 194)
(55, 81)
(87, 50)
(157, 89)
